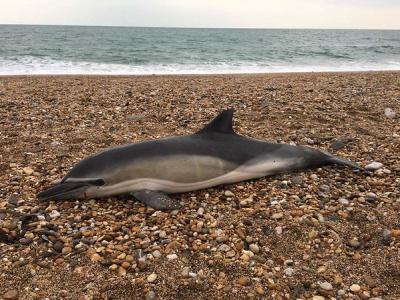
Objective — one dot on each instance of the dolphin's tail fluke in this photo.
(332, 159)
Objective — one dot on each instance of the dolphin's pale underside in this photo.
(213, 156)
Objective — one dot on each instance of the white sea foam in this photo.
(29, 65)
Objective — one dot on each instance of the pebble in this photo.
(326, 286)
(370, 197)
(244, 281)
(354, 243)
(152, 277)
(318, 298)
(54, 214)
(374, 166)
(28, 170)
(172, 257)
(185, 272)
(386, 237)
(66, 250)
(58, 246)
(277, 216)
(338, 144)
(224, 248)
(289, 271)
(343, 201)
(229, 194)
(254, 248)
(10, 294)
(390, 113)
(156, 254)
(150, 295)
(279, 230)
(355, 288)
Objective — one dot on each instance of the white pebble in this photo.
(152, 277)
(171, 257)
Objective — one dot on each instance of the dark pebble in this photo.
(25, 241)
(58, 246)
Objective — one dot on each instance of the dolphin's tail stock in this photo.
(68, 190)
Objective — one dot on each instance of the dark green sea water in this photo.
(125, 50)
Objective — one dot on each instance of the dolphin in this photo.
(215, 155)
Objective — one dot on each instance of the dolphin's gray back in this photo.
(185, 159)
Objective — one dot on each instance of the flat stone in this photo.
(172, 257)
(374, 166)
(150, 295)
(244, 281)
(326, 286)
(318, 297)
(54, 214)
(343, 201)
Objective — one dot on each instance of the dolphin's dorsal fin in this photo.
(221, 124)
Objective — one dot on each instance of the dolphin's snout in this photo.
(64, 191)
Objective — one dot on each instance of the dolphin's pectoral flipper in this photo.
(156, 200)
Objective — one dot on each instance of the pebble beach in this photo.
(328, 233)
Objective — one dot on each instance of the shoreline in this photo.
(201, 74)
(325, 232)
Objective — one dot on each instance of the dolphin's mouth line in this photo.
(64, 191)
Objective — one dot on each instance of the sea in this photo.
(134, 50)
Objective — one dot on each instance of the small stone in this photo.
(156, 254)
(96, 257)
(277, 216)
(343, 201)
(289, 271)
(229, 194)
(224, 248)
(150, 295)
(386, 237)
(113, 267)
(28, 170)
(324, 188)
(370, 197)
(162, 234)
(260, 290)
(244, 281)
(355, 288)
(172, 257)
(338, 144)
(54, 214)
(279, 230)
(390, 113)
(318, 297)
(66, 250)
(354, 243)
(25, 241)
(185, 272)
(11, 294)
(200, 211)
(121, 271)
(254, 248)
(326, 286)
(13, 200)
(374, 166)
(152, 277)
(58, 246)
(296, 180)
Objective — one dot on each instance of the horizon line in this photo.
(182, 27)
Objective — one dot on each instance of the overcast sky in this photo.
(384, 14)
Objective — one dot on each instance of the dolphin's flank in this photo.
(215, 155)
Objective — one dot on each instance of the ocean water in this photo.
(132, 50)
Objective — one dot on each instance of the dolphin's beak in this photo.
(64, 191)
